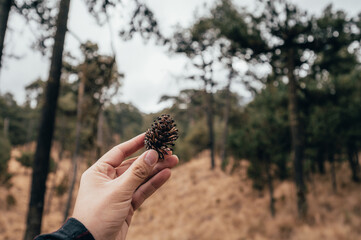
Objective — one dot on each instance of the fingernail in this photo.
(151, 157)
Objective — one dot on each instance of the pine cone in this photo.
(161, 135)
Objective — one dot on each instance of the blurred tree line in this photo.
(302, 71)
(96, 77)
(299, 116)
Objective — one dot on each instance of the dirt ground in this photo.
(198, 203)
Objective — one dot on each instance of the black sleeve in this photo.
(72, 229)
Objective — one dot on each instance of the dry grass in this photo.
(12, 220)
(198, 203)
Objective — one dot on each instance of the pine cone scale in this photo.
(161, 135)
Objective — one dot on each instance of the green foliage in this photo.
(102, 81)
(197, 136)
(22, 120)
(255, 171)
(62, 187)
(188, 112)
(193, 141)
(334, 32)
(35, 93)
(124, 119)
(263, 135)
(66, 116)
(233, 24)
(27, 159)
(67, 101)
(315, 54)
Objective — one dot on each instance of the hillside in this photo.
(198, 203)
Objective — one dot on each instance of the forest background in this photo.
(272, 85)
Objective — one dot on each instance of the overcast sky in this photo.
(150, 71)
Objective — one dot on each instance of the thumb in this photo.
(139, 171)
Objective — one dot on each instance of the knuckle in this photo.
(84, 174)
(141, 171)
(120, 151)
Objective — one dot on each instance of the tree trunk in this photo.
(46, 130)
(77, 146)
(225, 130)
(5, 6)
(99, 141)
(354, 164)
(331, 159)
(320, 160)
(53, 183)
(357, 163)
(62, 143)
(270, 187)
(209, 114)
(296, 138)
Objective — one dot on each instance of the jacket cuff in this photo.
(72, 229)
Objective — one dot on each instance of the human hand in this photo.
(112, 189)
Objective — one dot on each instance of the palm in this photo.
(116, 189)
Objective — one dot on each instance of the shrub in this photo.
(62, 187)
(5, 150)
(5, 180)
(255, 172)
(10, 201)
(193, 142)
(27, 158)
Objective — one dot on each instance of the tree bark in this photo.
(62, 142)
(226, 120)
(5, 6)
(320, 160)
(296, 138)
(209, 114)
(46, 130)
(270, 188)
(331, 159)
(357, 162)
(77, 146)
(53, 183)
(100, 123)
(354, 164)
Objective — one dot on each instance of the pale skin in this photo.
(113, 188)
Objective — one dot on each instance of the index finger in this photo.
(117, 154)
